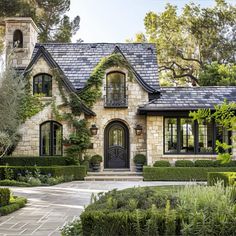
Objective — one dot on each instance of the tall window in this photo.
(50, 139)
(183, 135)
(43, 85)
(115, 90)
(17, 39)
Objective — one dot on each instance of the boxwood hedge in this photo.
(228, 178)
(181, 173)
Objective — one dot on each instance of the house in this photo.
(132, 113)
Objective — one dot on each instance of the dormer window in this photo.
(43, 85)
(18, 39)
(115, 90)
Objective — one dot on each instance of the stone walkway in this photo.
(48, 208)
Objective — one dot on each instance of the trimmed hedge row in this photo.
(79, 172)
(16, 204)
(197, 163)
(181, 173)
(39, 161)
(151, 222)
(4, 196)
(228, 178)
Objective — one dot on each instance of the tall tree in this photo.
(49, 15)
(189, 41)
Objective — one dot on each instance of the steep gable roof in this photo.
(77, 60)
(189, 98)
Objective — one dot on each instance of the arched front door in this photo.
(116, 145)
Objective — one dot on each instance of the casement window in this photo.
(185, 136)
(115, 90)
(43, 85)
(50, 139)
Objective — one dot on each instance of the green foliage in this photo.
(96, 159)
(189, 40)
(218, 74)
(181, 173)
(92, 91)
(72, 228)
(140, 159)
(8, 173)
(201, 115)
(5, 194)
(162, 164)
(78, 172)
(184, 163)
(38, 161)
(8, 182)
(15, 204)
(204, 163)
(228, 178)
(30, 105)
(207, 210)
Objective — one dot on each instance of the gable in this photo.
(78, 60)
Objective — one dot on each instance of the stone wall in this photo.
(20, 56)
(136, 96)
(30, 130)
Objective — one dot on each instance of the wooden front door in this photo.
(116, 145)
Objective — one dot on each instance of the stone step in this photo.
(113, 178)
(112, 173)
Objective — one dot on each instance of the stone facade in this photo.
(21, 56)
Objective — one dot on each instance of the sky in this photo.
(118, 20)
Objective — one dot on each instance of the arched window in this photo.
(43, 85)
(18, 39)
(50, 139)
(115, 90)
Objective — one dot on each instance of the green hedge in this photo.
(16, 204)
(39, 161)
(147, 222)
(162, 164)
(228, 178)
(4, 196)
(79, 172)
(181, 173)
(184, 163)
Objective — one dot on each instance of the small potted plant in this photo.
(139, 161)
(95, 162)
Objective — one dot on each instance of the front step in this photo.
(114, 176)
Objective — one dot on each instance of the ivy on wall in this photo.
(92, 91)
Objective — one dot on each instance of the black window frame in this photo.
(196, 137)
(51, 152)
(123, 102)
(45, 93)
(18, 36)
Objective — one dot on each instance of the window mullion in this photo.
(178, 135)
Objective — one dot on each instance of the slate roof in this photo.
(77, 60)
(190, 98)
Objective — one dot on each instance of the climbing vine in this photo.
(92, 91)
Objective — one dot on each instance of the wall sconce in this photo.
(94, 129)
(138, 129)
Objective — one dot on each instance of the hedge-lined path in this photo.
(48, 208)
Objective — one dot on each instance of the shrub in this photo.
(4, 196)
(181, 173)
(96, 159)
(207, 210)
(17, 203)
(78, 172)
(8, 182)
(140, 159)
(184, 163)
(204, 163)
(39, 161)
(72, 228)
(162, 164)
(227, 164)
(228, 178)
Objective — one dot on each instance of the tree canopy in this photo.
(49, 15)
(187, 43)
